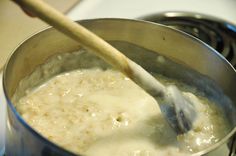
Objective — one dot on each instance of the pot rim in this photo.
(43, 139)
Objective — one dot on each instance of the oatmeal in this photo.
(102, 112)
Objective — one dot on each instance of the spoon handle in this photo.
(97, 45)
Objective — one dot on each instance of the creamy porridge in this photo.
(103, 113)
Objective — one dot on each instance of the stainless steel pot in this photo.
(144, 42)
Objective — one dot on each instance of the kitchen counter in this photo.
(17, 26)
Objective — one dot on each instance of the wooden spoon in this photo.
(178, 111)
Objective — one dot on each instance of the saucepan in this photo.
(182, 57)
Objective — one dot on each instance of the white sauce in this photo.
(102, 113)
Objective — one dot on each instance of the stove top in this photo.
(219, 34)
